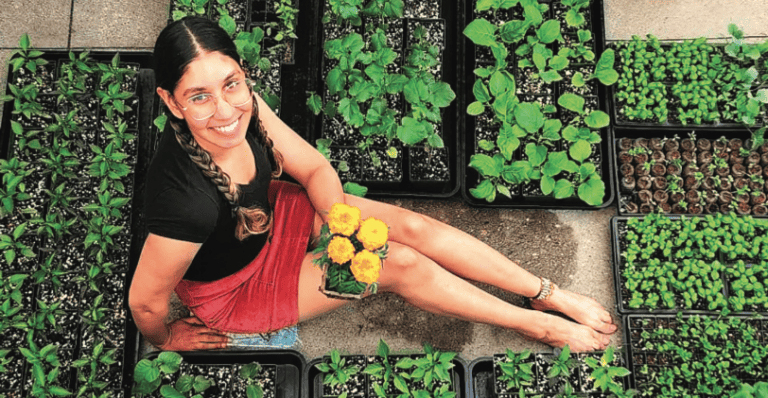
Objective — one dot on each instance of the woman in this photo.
(233, 243)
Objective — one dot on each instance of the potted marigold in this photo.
(353, 251)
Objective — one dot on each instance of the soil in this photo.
(743, 208)
(627, 169)
(658, 169)
(672, 155)
(220, 375)
(660, 183)
(266, 379)
(429, 164)
(644, 183)
(753, 158)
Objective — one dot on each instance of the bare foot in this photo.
(584, 310)
(558, 332)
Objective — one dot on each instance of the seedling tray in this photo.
(289, 363)
(625, 196)
(469, 143)
(618, 229)
(124, 339)
(634, 325)
(404, 163)
(669, 82)
(313, 379)
(483, 380)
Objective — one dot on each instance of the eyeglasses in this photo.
(236, 93)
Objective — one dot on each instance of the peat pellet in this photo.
(641, 142)
(738, 170)
(676, 197)
(674, 169)
(672, 144)
(660, 183)
(625, 157)
(688, 145)
(711, 208)
(688, 156)
(657, 156)
(755, 169)
(757, 199)
(740, 183)
(628, 183)
(753, 158)
(641, 159)
(644, 182)
(764, 159)
(735, 158)
(660, 196)
(645, 196)
(703, 144)
(678, 209)
(692, 196)
(695, 208)
(655, 144)
(759, 210)
(672, 155)
(725, 197)
(627, 169)
(704, 158)
(632, 207)
(720, 145)
(710, 196)
(658, 169)
(665, 207)
(725, 184)
(743, 208)
(625, 144)
(646, 208)
(735, 144)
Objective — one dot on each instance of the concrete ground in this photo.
(570, 247)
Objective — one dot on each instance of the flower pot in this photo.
(327, 290)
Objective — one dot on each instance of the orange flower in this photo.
(340, 250)
(366, 266)
(343, 219)
(373, 233)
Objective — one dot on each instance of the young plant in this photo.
(388, 372)
(517, 370)
(118, 132)
(12, 247)
(25, 101)
(189, 7)
(113, 100)
(50, 271)
(90, 366)
(26, 56)
(604, 373)
(562, 364)
(54, 225)
(60, 197)
(43, 382)
(100, 237)
(336, 371)
(287, 14)
(13, 189)
(11, 300)
(250, 373)
(148, 374)
(108, 165)
(433, 368)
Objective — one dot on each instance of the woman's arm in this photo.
(162, 264)
(303, 162)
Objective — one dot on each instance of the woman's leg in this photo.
(468, 257)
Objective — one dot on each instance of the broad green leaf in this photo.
(762, 95)
(550, 76)
(559, 63)
(574, 18)
(593, 191)
(505, 105)
(315, 103)
(532, 15)
(529, 116)
(475, 108)
(586, 170)
(484, 190)
(513, 31)
(536, 154)
(485, 165)
(355, 189)
(498, 83)
(481, 32)
(552, 129)
(517, 172)
(481, 91)
(441, 94)
(571, 133)
(578, 80)
(504, 191)
(572, 102)
(547, 184)
(549, 31)
(335, 81)
(597, 119)
(507, 144)
(555, 163)
(580, 150)
(563, 189)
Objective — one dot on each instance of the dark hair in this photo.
(177, 46)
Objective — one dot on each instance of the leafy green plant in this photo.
(287, 14)
(50, 271)
(114, 71)
(387, 372)
(44, 383)
(433, 368)
(11, 315)
(343, 11)
(108, 165)
(189, 8)
(13, 189)
(55, 225)
(12, 247)
(517, 370)
(100, 237)
(250, 373)
(336, 370)
(118, 132)
(148, 374)
(562, 364)
(90, 369)
(113, 100)
(60, 197)
(604, 373)
(26, 56)
(25, 101)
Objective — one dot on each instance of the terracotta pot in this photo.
(660, 183)
(660, 196)
(725, 197)
(676, 197)
(711, 208)
(628, 183)
(641, 143)
(632, 207)
(673, 144)
(646, 208)
(674, 170)
(704, 158)
(687, 144)
(672, 155)
(655, 144)
(703, 144)
(759, 210)
(735, 144)
(758, 199)
(658, 169)
(738, 170)
(625, 157)
(692, 196)
(645, 196)
(644, 182)
(688, 157)
(625, 144)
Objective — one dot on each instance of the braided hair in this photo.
(176, 47)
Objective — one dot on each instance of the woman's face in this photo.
(210, 73)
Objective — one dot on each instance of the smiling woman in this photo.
(232, 242)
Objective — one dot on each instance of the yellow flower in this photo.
(343, 219)
(340, 250)
(366, 266)
(373, 233)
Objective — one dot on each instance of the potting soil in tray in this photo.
(280, 374)
(676, 85)
(393, 168)
(677, 356)
(483, 373)
(362, 386)
(694, 265)
(88, 302)
(508, 169)
(686, 172)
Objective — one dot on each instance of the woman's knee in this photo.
(414, 227)
(404, 265)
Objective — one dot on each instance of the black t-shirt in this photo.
(183, 204)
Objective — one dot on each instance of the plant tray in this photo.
(313, 378)
(639, 355)
(289, 365)
(77, 295)
(549, 94)
(619, 229)
(671, 125)
(626, 196)
(397, 180)
(483, 377)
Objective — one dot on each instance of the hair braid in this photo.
(250, 220)
(267, 143)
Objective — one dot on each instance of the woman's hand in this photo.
(187, 334)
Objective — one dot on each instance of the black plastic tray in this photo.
(470, 176)
(450, 11)
(313, 381)
(145, 93)
(290, 365)
(617, 267)
(628, 132)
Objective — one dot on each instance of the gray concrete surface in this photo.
(570, 247)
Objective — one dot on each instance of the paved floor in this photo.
(571, 247)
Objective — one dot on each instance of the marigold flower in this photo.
(366, 266)
(340, 250)
(373, 233)
(343, 219)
